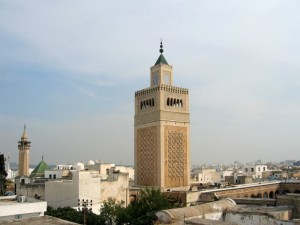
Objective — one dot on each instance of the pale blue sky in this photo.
(69, 69)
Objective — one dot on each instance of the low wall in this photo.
(212, 210)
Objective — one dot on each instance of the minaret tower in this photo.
(161, 131)
(24, 148)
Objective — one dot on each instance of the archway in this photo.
(253, 196)
(265, 195)
(271, 194)
(259, 195)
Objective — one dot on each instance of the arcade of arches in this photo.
(263, 190)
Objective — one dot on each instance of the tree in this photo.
(3, 175)
(70, 214)
(111, 211)
(143, 211)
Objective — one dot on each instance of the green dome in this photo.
(40, 169)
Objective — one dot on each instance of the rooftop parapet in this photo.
(163, 87)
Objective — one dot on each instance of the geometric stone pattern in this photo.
(175, 154)
(147, 156)
(176, 171)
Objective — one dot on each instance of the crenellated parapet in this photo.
(162, 88)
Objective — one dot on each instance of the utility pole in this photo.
(83, 206)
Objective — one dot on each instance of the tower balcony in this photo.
(162, 88)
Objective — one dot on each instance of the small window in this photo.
(54, 176)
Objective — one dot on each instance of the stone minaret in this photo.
(161, 131)
(24, 148)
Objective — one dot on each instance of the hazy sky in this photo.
(69, 70)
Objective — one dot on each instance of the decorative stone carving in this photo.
(147, 163)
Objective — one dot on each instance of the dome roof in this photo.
(78, 164)
(91, 162)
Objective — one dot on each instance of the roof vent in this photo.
(21, 198)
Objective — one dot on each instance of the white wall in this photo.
(14, 209)
(85, 185)
(116, 187)
(255, 171)
(57, 173)
(207, 176)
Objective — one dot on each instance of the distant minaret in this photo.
(24, 148)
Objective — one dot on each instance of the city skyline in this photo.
(69, 70)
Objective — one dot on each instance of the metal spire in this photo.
(161, 47)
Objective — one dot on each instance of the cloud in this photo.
(239, 59)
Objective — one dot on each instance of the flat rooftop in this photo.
(45, 220)
(13, 200)
(258, 209)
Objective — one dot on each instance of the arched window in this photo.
(168, 101)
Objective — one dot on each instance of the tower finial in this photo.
(24, 126)
(161, 47)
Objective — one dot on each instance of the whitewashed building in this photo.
(255, 171)
(206, 176)
(20, 207)
(85, 185)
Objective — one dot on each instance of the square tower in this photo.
(161, 131)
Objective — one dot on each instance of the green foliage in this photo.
(110, 211)
(70, 214)
(66, 213)
(141, 212)
(150, 201)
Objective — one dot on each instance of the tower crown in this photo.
(24, 136)
(24, 139)
(161, 59)
(161, 73)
